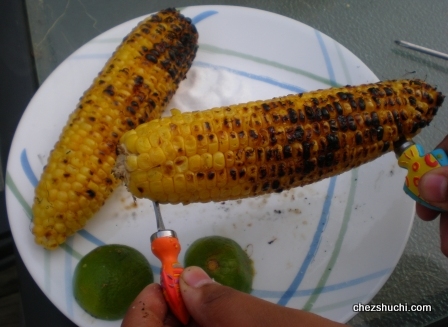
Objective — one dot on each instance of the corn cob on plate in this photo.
(134, 87)
(288, 235)
(261, 147)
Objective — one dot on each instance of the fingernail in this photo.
(434, 187)
(195, 277)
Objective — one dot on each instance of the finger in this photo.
(444, 144)
(444, 233)
(426, 213)
(427, 191)
(148, 309)
(212, 304)
(433, 187)
(171, 321)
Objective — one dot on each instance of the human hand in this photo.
(212, 304)
(433, 188)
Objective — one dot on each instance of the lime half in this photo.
(224, 260)
(109, 278)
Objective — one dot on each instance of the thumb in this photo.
(212, 304)
(433, 187)
(148, 309)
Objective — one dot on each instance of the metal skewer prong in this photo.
(421, 49)
(159, 220)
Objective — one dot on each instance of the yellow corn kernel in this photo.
(130, 140)
(195, 163)
(219, 161)
(53, 194)
(179, 184)
(225, 193)
(184, 129)
(210, 180)
(144, 161)
(204, 195)
(190, 181)
(264, 137)
(190, 145)
(156, 156)
(168, 149)
(200, 181)
(236, 191)
(221, 178)
(154, 175)
(156, 187)
(168, 185)
(223, 139)
(62, 196)
(172, 198)
(201, 144)
(179, 145)
(232, 176)
(196, 127)
(245, 192)
(206, 161)
(132, 162)
(168, 169)
(153, 140)
(142, 144)
(233, 141)
(213, 144)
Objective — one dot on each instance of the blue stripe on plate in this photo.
(284, 299)
(69, 277)
(203, 15)
(326, 208)
(325, 289)
(90, 237)
(326, 56)
(26, 167)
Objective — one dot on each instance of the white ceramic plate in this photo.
(323, 247)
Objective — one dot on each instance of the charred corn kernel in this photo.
(221, 179)
(168, 169)
(181, 164)
(270, 146)
(134, 87)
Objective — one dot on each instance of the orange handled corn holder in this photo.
(166, 247)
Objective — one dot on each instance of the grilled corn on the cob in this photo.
(134, 87)
(268, 146)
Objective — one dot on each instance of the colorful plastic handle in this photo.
(167, 250)
(418, 163)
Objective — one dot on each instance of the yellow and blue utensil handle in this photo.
(418, 163)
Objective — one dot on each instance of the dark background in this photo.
(22, 303)
(18, 83)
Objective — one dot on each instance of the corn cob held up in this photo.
(134, 87)
(268, 146)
